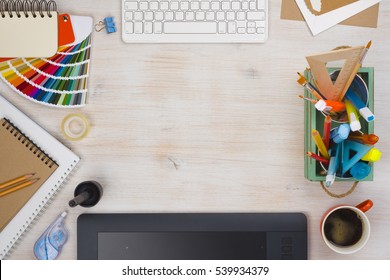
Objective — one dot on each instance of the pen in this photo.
(15, 181)
(368, 139)
(333, 166)
(313, 90)
(320, 144)
(318, 158)
(353, 117)
(364, 111)
(18, 187)
(326, 134)
(326, 105)
(355, 70)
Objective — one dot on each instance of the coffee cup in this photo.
(346, 229)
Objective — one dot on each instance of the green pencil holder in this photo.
(313, 119)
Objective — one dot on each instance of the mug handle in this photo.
(365, 205)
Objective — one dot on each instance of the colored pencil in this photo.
(15, 181)
(18, 187)
(320, 144)
(318, 158)
(327, 125)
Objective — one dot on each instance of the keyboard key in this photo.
(184, 6)
(232, 26)
(149, 16)
(129, 28)
(169, 16)
(158, 27)
(129, 16)
(236, 6)
(241, 30)
(210, 15)
(255, 15)
(153, 5)
(164, 6)
(261, 4)
(190, 16)
(200, 16)
(138, 27)
(194, 5)
(205, 5)
(143, 5)
(131, 6)
(179, 16)
(222, 27)
(138, 15)
(174, 5)
(215, 6)
(148, 27)
(159, 16)
(190, 27)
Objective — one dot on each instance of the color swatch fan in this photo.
(57, 81)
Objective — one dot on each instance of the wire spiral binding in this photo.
(35, 8)
(23, 139)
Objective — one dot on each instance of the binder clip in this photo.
(108, 24)
(87, 194)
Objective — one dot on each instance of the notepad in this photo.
(19, 156)
(26, 148)
(28, 36)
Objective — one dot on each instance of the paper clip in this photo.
(108, 24)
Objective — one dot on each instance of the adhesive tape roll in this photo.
(75, 127)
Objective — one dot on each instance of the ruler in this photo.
(336, 90)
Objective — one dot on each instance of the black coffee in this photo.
(343, 227)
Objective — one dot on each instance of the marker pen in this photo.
(364, 111)
(353, 117)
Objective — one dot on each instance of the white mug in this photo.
(346, 229)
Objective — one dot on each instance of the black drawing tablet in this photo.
(245, 236)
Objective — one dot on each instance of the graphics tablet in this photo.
(245, 236)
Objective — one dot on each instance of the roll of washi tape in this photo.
(75, 127)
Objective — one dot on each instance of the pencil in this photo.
(327, 125)
(15, 181)
(18, 187)
(318, 158)
(320, 144)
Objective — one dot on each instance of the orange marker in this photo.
(368, 139)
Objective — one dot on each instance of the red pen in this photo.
(327, 125)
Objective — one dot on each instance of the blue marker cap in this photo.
(360, 170)
(341, 133)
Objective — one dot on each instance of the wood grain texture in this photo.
(210, 128)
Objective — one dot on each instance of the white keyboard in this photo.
(194, 21)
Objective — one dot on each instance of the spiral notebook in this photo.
(28, 30)
(25, 148)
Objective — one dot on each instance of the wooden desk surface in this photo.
(210, 128)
